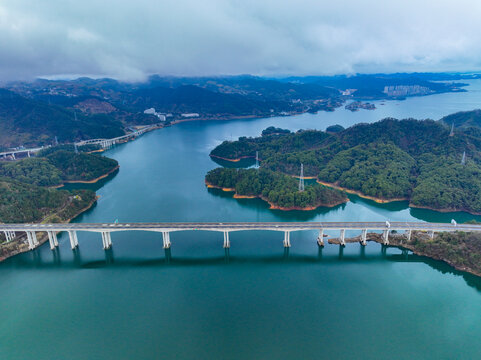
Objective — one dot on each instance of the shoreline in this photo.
(386, 201)
(437, 258)
(443, 210)
(271, 205)
(232, 160)
(360, 194)
(398, 242)
(93, 181)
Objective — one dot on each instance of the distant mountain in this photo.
(35, 112)
(193, 99)
(386, 86)
(251, 86)
(28, 122)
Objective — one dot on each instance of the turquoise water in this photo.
(134, 302)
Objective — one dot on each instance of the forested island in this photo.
(28, 191)
(420, 161)
(279, 190)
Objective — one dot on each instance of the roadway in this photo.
(242, 226)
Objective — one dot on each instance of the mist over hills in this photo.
(33, 113)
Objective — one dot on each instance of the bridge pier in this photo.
(106, 240)
(408, 235)
(32, 239)
(320, 238)
(287, 239)
(8, 235)
(431, 234)
(72, 234)
(385, 237)
(342, 237)
(226, 240)
(166, 239)
(52, 239)
(364, 237)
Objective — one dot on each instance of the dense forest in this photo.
(81, 166)
(20, 202)
(391, 159)
(279, 190)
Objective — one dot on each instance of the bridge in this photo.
(106, 143)
(106, 229)
(12, 153)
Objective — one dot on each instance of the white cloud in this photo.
(129, 40)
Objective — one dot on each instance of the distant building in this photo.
(190, 115)
(151, 111)
(406, 90)
(348, 92)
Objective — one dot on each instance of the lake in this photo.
(260, 301)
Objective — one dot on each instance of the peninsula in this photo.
(29, 194)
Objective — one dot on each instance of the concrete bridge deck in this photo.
(166, 228)
(242, 226)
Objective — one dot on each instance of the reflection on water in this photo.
(43, 260)
(259, 204)
(395, 206)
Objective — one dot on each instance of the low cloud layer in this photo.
(132, 39)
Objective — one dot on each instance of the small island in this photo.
(356, 105)
(420, 161)
(279, 190)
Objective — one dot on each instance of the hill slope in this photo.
(28, 122)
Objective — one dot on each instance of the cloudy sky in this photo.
(131, 39)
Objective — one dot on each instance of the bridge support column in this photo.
(106, 240)
(52, 239)
(385, 237)
(320, 238)
(364, 237)
(13, 156)
(72, 234)
(342, 237)
(431, 234)
(287, 239)
(408, 235)
(166, 239)
(32, 239)
(8, 235)
(226, 240)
